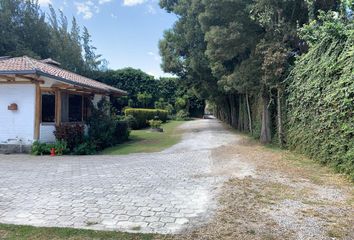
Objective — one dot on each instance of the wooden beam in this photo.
(58, 107)
(32, 78)
(48, 90)
(38, 112)
(62, 86)
(11, 78)
(39, 81)
(7, 78)
(75, 89)
(82, 92)
(17, 82)
(67, 90)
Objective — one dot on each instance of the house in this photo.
(37, 95)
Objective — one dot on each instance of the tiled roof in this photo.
(26, 65)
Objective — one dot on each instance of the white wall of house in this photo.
(17, 127)
(97, 98)
(17, 124)
(47, 133)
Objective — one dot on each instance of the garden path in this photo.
(157, 192)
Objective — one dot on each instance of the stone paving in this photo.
(163, 192)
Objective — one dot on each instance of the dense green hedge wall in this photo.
(321, 103)
(143, 115)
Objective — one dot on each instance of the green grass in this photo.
(145, 141)
(14, 232)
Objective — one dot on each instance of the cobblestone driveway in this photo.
(160, 192)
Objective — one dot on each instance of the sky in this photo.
(125, 32)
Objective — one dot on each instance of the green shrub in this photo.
(182, 115)
(162, 104)
(61, 148)
(39, 148)
(85, 148)
(155, 123)
(122, 131)
(106, 130)
(142, 116)
(132, 123)
(321, 95)
(72, 134)
(181, 103)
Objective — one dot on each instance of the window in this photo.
(48, 108)
(75, 108)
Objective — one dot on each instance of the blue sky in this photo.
(125, 32)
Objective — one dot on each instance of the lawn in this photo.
(145, 141)
(15, 232)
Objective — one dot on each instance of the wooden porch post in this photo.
(38, 111)
(58, 107)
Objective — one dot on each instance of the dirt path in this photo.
(275, 194)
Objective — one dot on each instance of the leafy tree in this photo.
(134, 81)
(168, 89)
(23, 29)
(33, 32)
(181, 103)
(162, 104)
(238, 54)
(144, 99)
(183, 52)
(26, 31)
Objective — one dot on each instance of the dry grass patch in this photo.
(240, 215)
(288, 196)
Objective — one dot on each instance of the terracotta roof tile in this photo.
(27, 65)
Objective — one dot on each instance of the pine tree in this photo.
(92, 61)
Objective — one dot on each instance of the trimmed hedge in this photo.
(143, 115)
(321, 97)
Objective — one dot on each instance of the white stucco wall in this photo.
(47, 133)
(97, 98)
(17, 124)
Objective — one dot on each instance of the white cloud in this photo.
(158, 73)
(155, 56)
(153, 73)
(104, 1)
(114, 16)
(133, 2)
(86, 9)
(150, 4)
(151, 9)
(45, 2)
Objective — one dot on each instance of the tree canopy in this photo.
(247, 58)
(25, 30)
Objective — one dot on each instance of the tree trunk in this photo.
(188, 106)
(265, 129)
(245, 115)
(230, 111)
(233, 110)
(240, 119)
(249, 113)
(279, 117)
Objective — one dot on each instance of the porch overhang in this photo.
(35, 76)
